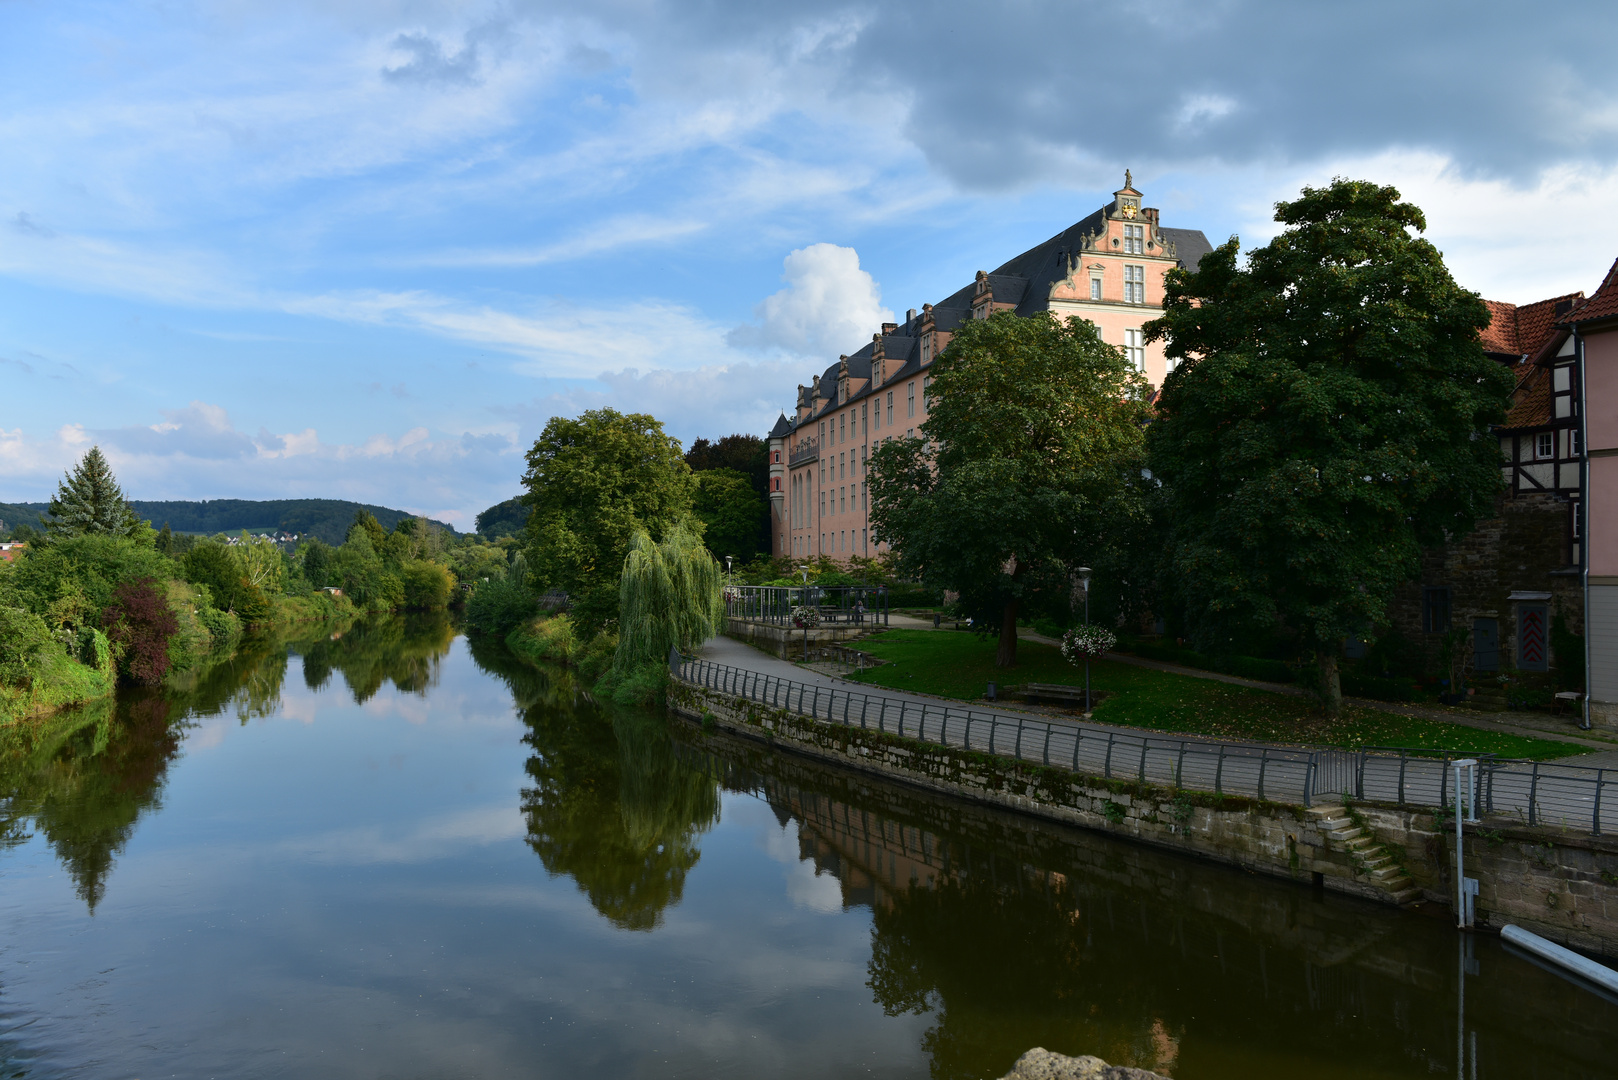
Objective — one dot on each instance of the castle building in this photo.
(1107, 268)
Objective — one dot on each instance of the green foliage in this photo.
(212, 564)
(733, 513)
(669, 597)
(545, 640)
(499, 605)
(1330, 417)
(1030, 466)
(70, 581)
(24, 638)
(427, 585)
(746, 454)
(89, 502)
(644, 684)
(509, 518)
(593, 482)
(315, 561)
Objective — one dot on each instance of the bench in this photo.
(1071, 695)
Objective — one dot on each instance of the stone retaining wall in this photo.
(1561, 885)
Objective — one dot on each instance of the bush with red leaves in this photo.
(139, 623)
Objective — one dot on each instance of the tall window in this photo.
(1095, 288)
(1134, 284)
(1134, 239)
(1134, 351)
(890, 408)
(910, 402)
(1435, 611)
(927, 391)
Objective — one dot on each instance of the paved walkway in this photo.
(1550, 792)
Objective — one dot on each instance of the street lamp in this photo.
(805, 598)
(1084, 583)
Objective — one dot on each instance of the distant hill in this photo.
(328, 519)
(509, 518)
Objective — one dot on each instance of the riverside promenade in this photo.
(1575, 793)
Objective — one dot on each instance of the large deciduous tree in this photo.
(1330, 416)
(1029, 465)
(593, 482)
(734, 513)
(89, 501)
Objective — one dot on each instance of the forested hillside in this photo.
(328, 519)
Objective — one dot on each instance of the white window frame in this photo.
(1134, 284)
(1095, 286)
(1544, 445)
(910, 398)
(1135, 349)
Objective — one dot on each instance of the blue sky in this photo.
(366, 249)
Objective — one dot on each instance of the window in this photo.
(1134, 284)
(890, 408)
(778, 457)
(1134, 239)
(910, 403)
(1134, 351)
(864, 407)
(1435, 611)
(926, 391)
(1095, 288)
(1545, 444)
(822, 504)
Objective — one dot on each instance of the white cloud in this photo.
(829, 305)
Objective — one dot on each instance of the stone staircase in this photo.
(1368, 856)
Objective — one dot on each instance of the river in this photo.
(395, 852)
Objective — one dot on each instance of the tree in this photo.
(140, 624)
(746, 454)
(1030, 465)
(1330, 417)
(89, 501)
(668, 597)
(733, 513)
(593, 482)
(507, 518)
(165, 540)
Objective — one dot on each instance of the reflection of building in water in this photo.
(876, 858)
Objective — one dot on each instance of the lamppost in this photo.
(730, 585)
(805, 571)
(1084, 583)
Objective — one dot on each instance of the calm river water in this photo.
(398, 853)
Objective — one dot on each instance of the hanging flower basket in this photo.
(1084, 642)
(805, 617)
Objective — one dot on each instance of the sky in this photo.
(366, 249)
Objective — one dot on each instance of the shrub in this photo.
(500, 605)
(223, 627)
(1086, 641)
(25, 641)
(550, 640)
(1048, 627)
(139, 624)
(643, 684)
(427, 585)
(596, 657)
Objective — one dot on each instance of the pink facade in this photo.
(1595, 329)
(1107, 268)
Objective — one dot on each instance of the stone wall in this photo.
(1559, 884)
(1266, 837)
(787, 642)
(1516, 550)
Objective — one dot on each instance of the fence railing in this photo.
(843, 605)
(1537, 792)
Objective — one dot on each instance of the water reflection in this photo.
(84, 778)
(611, 804)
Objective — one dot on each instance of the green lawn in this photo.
(960, 665)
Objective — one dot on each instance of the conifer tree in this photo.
(89, 501)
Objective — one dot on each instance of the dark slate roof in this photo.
(1189, 244)
(782, 428)
(1030, 262)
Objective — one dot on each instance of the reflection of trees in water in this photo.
(87, 779)
(83, 777)
(611, 805)
(405, 650)
(1004, 965)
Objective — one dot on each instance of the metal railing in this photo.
(807, 449)
(843, 605)
(1536, 792)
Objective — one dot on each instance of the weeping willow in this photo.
(668, 597)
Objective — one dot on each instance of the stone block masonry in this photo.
(1562, 886)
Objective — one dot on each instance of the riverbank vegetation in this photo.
(100, 598)
(961, 665)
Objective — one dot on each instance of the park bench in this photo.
(1069, 695)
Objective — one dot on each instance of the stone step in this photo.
(1390, 873)
(1378, 862)
(1344, 835)
(1404, 892)
(1362, 844)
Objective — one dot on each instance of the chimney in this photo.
(910, 316)
(889, 327)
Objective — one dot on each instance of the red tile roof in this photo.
(1524, 330)
(1603, 305)
(1531, 399)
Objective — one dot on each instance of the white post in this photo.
(1466, 809)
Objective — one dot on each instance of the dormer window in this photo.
(1134, 239)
